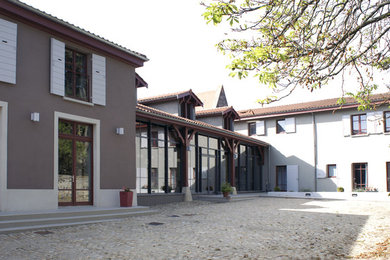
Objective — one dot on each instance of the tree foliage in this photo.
(305, 43)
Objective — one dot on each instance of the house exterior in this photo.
(319, 146)
(67, 113)
(180, 154)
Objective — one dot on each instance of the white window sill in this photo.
(359, 135)
(78, 101)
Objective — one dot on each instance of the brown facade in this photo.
(30, 163)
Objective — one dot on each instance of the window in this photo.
(187, 110)
(359, 124)
(387, 121)
(280, 126)
(69, 75)
(251, 129)
(359, 175)
(76, 79)
(228, 123)
(286, 125)
(154, 138)
(331, 171)
(154, 179)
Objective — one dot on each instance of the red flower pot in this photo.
(126, 198)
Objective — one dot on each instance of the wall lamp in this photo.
(120, 131)
(35, 116)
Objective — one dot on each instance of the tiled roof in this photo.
(307, 107)
(76, 28)
(196, 124)
(216, 111)
(169, 97)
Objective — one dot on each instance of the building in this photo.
(180, 153)
(319, 146)
(67, 113)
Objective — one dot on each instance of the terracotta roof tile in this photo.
(169, 97)
(307, 107)
(159, 113)
(216, 111)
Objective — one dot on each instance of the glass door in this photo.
(75, 171)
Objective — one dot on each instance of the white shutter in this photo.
(8, 38)
(292, 178)
(144, 139)
(160, 138)
(374, 122)
(57, 70)
(290, 125)
(260, 128)
(346, 125)
(98, 80)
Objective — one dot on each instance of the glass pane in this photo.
(65, 164)
(68, 57)
(83, 196)
(64, 196)
(83, 165)
(363, 124)
(68, 83)
(81, 86)
(84, 130)
(65, 127)
(280, 126)
(80, 63)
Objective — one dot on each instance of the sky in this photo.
(179, 44)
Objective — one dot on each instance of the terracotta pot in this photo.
(126, 198)
(226, 194)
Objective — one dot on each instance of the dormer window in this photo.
(228, 123)
(187, 110)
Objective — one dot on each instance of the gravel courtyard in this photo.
(261, 228)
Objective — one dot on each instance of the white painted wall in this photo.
(171, 107)
(215, 121)
(333, 148)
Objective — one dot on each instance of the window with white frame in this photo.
(69, 74)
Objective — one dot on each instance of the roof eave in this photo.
(25, 13)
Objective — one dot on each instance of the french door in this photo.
(75, 172)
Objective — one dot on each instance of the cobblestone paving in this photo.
(262, 228)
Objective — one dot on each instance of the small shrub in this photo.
(340, 189)
(276, 188)
(226, 187)
(306, 190)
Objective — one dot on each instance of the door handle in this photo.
(72, 178)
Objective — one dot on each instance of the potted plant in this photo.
(340, 189)
(126, 197)
(226, 189)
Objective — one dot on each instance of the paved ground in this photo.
(262, 228)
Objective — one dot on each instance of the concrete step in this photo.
(14, 222)
(221, 199)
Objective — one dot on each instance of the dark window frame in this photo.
(360, 130)
(281, 129)
(154, 139)
(328, 172)
(251, 128)
(360, 168)
(73, 71)
(386, 119)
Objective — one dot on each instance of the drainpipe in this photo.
(315, 150)
(269, 168)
